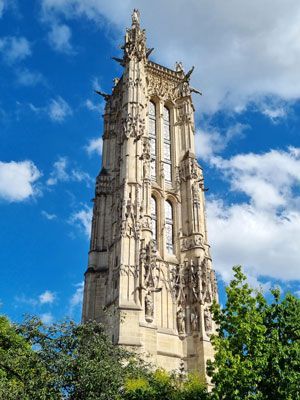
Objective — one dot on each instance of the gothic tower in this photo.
(149, 276)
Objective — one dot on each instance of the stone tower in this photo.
(149, 276)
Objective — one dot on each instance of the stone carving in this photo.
(213, 280)
(135, 40)
(195, 321)
(178, 66)
(133, 126)
(135, 17)
(191, 284)
(190, 169)
(188, 243)
(151, 277)
(160, 87)
(149, 309)
(103, 183)
(207, 321)
(151, 267)
(178, 284)
(146, 223)
(180, 321)
(116, 81)
(146, 157)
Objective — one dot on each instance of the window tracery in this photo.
(169, 227)
(152, 138)
(167, 145)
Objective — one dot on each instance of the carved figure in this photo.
(195, 321)
(149, 308)
(180, 321)
(178, 66)
(135, 17)
(207, 320)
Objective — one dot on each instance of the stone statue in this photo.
(135, 17)
(195, 321)
(207, 320)
(146, 169)
(180, 321)
(178, 66)
(149, 308)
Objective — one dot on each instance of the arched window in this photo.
(152, 138)
(154, 218)
(169, 227)
(167, 145)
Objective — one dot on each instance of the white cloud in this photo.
(80, 176)
(262, 233)
(59, 38)
(59, 173)
(62, 173)
(268, 179)
(243, 51)
(94, 146)
(83, 219)
(14, 48)
(22, 299)
(47, 318)
(1, 7)
(96, 84)
(59, 109)
(77, 298)
(18, 180)
(265, 243)
(275, 114)
(26, 77)
(91, 106)
(47, 297)
(211, 141)
(48, 216)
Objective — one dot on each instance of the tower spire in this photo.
(135, 39)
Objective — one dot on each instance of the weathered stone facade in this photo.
(149, 277)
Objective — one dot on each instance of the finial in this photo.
(135, 17)
(179, 66)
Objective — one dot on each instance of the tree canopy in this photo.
(75, 362)
(257, 346)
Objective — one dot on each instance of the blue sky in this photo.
(54, 53)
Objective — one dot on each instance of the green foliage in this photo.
(81, 360)
(62, 361)
(161, 385)
(22, 375)
(138, 388)
(193, 388)
(257, 346)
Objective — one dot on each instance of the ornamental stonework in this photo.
(150, 278)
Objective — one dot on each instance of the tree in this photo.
(257, 346)
(76, 362)
(160, 385)
(81, 360)
(22, 375)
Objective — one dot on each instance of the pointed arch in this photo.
(167, 145)
(169, 219)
